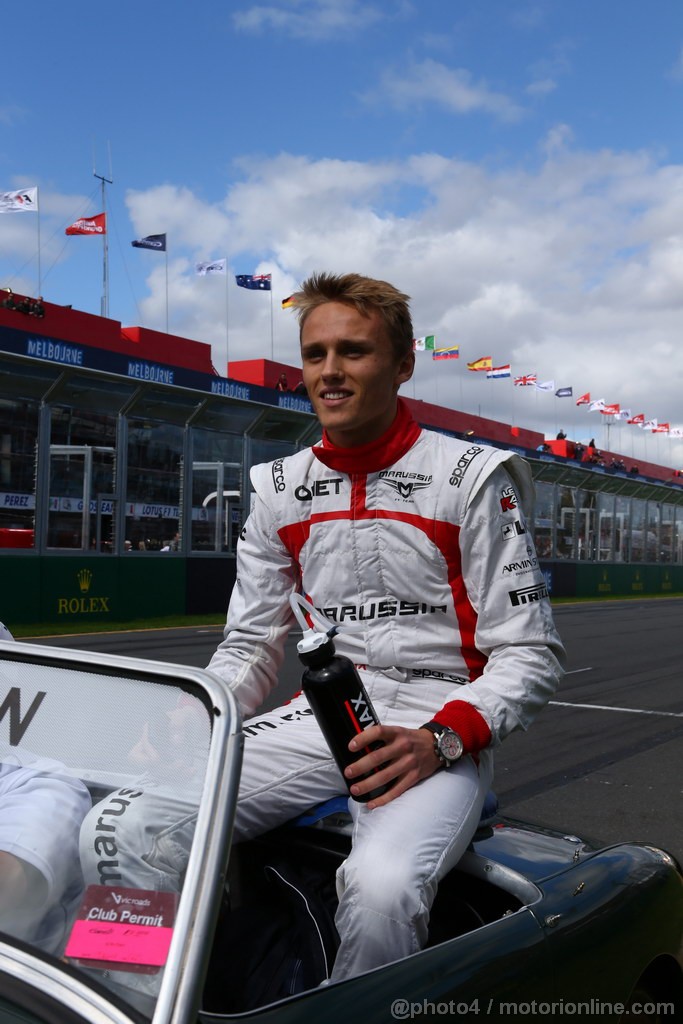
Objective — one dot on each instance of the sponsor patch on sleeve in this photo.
(508, 499)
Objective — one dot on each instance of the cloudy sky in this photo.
(516, 167)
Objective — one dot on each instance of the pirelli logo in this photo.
(528, 594)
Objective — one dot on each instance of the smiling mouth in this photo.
(335, 396)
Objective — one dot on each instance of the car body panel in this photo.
(576, 921)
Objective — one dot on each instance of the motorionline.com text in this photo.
(404, 1009)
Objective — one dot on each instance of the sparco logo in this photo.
(463, 465)
(380, 610)
(405, 484)
(278, 476)
(528, 594)
(319, 488)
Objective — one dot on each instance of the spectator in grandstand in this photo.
(561, 436)
(282, 383)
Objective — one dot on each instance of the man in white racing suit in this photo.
(420, 542)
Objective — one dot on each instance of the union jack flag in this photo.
(523, 382)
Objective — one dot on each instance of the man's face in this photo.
(351, 373)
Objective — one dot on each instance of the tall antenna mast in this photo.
(104, 304)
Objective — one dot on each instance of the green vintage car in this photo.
(118, 781)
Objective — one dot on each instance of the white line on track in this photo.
(605, 707)
(573, 671)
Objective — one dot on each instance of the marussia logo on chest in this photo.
(405, 484)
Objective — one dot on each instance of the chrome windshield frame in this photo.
(184, 972)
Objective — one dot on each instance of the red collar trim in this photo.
(376, 455)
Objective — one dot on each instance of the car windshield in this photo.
(101, 779)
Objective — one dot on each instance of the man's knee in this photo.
(389, 885)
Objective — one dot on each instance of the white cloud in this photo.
(541, 87)
(429, 81)
(572, 270)
(309, 19)
(677, 70)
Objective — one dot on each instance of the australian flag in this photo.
(256, 282)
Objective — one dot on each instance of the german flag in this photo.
(286, 303)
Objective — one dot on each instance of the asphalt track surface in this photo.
(605, 758)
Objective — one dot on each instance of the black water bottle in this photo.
(339, 702)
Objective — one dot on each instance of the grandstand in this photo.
(124, 467)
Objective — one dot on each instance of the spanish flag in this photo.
(286, 303)
(485, 363)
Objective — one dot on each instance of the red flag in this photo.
(638, 420)
(610, 410)
(96, 225)
(662, 428)
(585, 399)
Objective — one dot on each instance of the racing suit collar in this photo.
(376, 455)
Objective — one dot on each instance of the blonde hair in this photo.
(365, 294)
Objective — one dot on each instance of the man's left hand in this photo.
(407, 755)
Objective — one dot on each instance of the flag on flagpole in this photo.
(496, 372)
(661, 428)
(584, 399)
(564, 393)
(485, 363)
(289, 301)
(623, 414)
(639, 420)
(596, 405)
(254, 282)
(426, 344)
(150, 242)
(211, 267)
(546, 385)
(447, 353)
(610, 410)
(96, 225)
(676, 432)
(649, 424)
(25, 200)
(526, 381)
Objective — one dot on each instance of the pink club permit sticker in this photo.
(130, 929)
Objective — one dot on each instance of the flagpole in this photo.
(271, 320)
(40, 280)
(227, 321)
(166, 255)
(104, 305)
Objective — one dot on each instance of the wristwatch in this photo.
(448, 746)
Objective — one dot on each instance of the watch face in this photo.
(450, 745)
